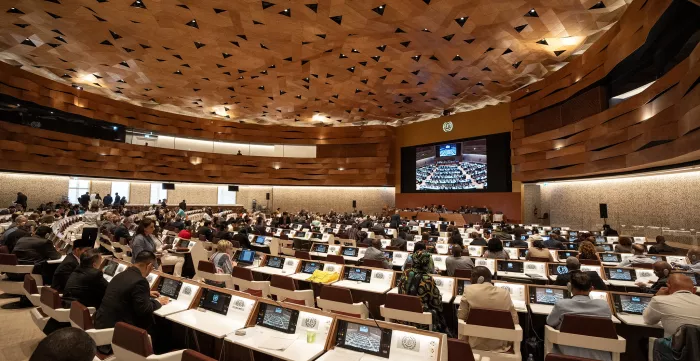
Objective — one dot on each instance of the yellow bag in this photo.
(320, 276)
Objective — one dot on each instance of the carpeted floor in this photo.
(18, 334)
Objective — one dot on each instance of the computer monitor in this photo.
(461, 285)
(566, 254)
(183, 243)
(169, 287)
(620, 274)
(572, 246)
(246, 256)
(600, 239)
(510, 266)
(310, 267)
(522, 252)
(363, 338)
(547, 295)
(573, 233)
(260, 240)
(357, 274)
(277, 318)
(607, 247)
(319, 248)
(215, 301)
(634, 304)
(274, 262)
(351, 251)
(556, 269)
(523, 238)
(610, 257)
(110, 268)
(389, 255)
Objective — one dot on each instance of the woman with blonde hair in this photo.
(222, 258)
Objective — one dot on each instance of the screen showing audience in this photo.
(357, 274)
(310, 267)
(631, 304)
(275, 262)
(363, 338)
(510, 266)
(184, 243)
(544, 295)
(619, 274)
(320, 248)
(608, 257)
(278, 318)
(452, 166)
(169, 287)
(246, 256)
(350, 252)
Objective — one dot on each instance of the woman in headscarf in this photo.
(416, 281)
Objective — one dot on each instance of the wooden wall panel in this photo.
(653, 128)
(26, 149)
(508, 203)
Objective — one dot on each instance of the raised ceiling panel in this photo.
(300, 63)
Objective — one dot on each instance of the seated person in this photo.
(587, 251)
(579, 304)
(374, 252)
(661, 247)
(206, 231)
(662, 270)
(638, 257)
(242, 237)
(35, 250)
(535, 235)
(555, 241)
(416, 281)
(222, 231)
(178, 224)
(22, 230)
(169, 258)
(477, 240)
(86, 284)
(128, 297)
(456, 239)
(222, 257)
(48, 217)
(483, 294)
(457, 261)
(674, 305)
(418, 246)
(624, 245)
(694, 259)
(495, 250)
(67, 344)
(185, 233)
(538, 250)
(69, 264)
(121, 231)
(574, 265)
(400, 241)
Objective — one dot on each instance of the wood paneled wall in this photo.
(653, 128)
(26, 149)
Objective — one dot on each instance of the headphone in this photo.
(569, 287)
(480, 280)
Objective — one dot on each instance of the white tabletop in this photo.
(54, 261)
(364, 286)
(173, 307)
(635, 320)
(208, 322)
(446, 297)
(299, 350)
(271, 270)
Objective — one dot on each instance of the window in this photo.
(122, 188)
(226, 197)
(158, 193)
(76, 188)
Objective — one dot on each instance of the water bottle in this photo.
(531, 358)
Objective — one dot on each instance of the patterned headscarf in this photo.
(422, 262)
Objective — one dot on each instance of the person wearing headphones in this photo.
(675, 305)
(574, 265)
(694, 259)
(579, 304)
(662, 270)
(483, 294)
(638, 257)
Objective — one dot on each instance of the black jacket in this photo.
(117, 199)
(34, 250)
(183, 206)
(14, 237)
(554, 243)
(596, 281)
(107, 200)
(395, 221)
(63, 272)
(478, 242)
(122, 232)
(127, 299)
(207, 232)
(85, 285)
(22, 199)
(519, 243)
(242, 240)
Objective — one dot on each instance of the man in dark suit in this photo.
(395, 220)
(128, 297)
(69, 264)
(555, 241)
(661, 247)
(22, 200)
(107, 200)
(117, 199)
(84, 200)
(573, 264)
(183, 205)
(86, 284)
(477, 240)
(206, 231)
(36, 250)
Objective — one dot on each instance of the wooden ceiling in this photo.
(309, 62)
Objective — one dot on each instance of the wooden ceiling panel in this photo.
(301, 63)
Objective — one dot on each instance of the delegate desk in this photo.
(446, 285)
(181, 294)
(521, 270)
(278, 265)
(285, 331)
(354, 339)
(322, 250)
(367, 285)
(541, 299)
(556, 269)
(624, 277)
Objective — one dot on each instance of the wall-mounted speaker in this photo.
(233, 188)
(267, 196)
(169, 186)
(603, 210)
(354, 204)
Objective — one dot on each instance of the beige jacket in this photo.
(486, 295)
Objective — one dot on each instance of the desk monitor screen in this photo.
(275, 262)
(461, 285)
(358, 274)
(169, 287)
(572, 246)
(246, 256)
(389, 255)
(573, 233)
(510, 266)
(600, 239)
(320, 248)
(351, 251)
(556, 269)
(630, 303)
(572, 238)
(184, 243)
(260, 240)
(286, 232)
(300, 235)
(610, 257)
(523, 238)
(619, 274)
(606, 247)
(215, 301)
(522, 252)
(567, 254)
(278, 318)
(545, 238)
(556, 228)
(110, 268)
(362, 338)
(656, 257)
(507, 243)
(316, 235)
(310, 267)
(546, 295)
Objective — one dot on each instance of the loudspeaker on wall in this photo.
(354, 204)
(603, 210)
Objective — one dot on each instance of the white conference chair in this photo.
(496, 325)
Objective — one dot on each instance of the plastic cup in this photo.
(310, 336)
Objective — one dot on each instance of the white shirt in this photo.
(680, 308)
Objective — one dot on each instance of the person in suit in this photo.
(555, 241)
(661, 247)
(22, 230)
(395, 220)
(374, 252)
(579, 304)
(183, 205)
(574, 265)
(242, 237)
(21, 199)
(624, 245)
(477, 240)
(36, 250)
(86, 284)
(117, 199)
(107, 200)
(483, 294)
(69, 264)
(456, 261)
(662, 270)
(638, 257)
(128, 297)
